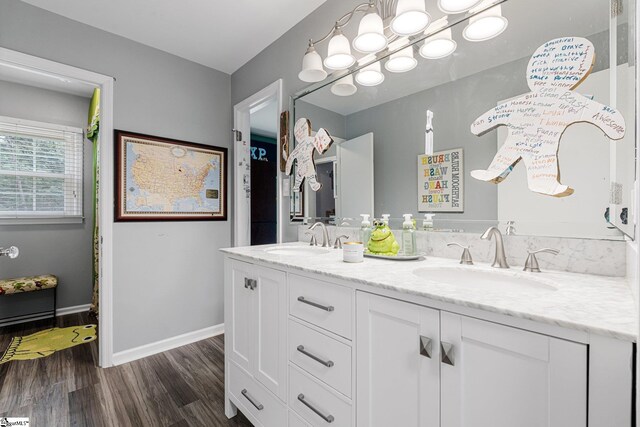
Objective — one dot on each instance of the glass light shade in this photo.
(457, 6)
(370, 37)
(401, 62)
(411, 18)
(439, 45)
(371, 75)
(344, 86)
(339, 55)
(312, 70)
(486, 25)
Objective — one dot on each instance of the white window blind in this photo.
(41, 169)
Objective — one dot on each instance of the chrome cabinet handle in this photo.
(426, 347)
(250, 284)
(254, 402)
(327, 363)
(447, 353)
(315, 304)
(327, 418)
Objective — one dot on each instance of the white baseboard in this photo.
(166, 344)
(71, 310)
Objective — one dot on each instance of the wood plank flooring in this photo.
(181, 387)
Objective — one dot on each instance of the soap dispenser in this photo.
(408, 236)
(427, 223)
(385, 218)
(365, 229)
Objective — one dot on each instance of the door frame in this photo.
(242, 123)
(106, 194)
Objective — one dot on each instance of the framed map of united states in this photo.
(160, 179)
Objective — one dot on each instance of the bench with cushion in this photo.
(21, 285)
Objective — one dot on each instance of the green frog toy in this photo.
(382, 241)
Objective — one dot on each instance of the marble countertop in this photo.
(594, 304)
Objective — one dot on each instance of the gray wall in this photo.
(168, 276)
(63, 250)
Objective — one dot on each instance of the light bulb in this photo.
(344, 86)
(339, 55)
(486, 25)
(401, 62)
(457, 6)
(312, 70)
(371, 38)
(371, 75)
(439, 45)
(411, 18)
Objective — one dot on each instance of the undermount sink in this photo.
(297, 250)
(481, 279)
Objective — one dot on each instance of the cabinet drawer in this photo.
(316, 403)
(323, 304)
(296, 421)
(255, 399)
(314, 351)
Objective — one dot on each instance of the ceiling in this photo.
(223, 35)
(522, 37)
(264, 119)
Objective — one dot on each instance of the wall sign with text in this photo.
(440, 181)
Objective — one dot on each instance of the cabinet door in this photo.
(241, 336)
(496, 376)
(397, 363)
(270, 311)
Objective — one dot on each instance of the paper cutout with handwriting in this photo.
(537, 120)
(304, 151)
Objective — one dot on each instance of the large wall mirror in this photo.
(379, 131)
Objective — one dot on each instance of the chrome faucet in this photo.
(500, 260)
(325, 235)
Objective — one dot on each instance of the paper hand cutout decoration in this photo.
(538, 119)
(304, 151)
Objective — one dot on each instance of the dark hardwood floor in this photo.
(181, 387)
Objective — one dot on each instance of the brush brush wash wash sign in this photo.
(304, 151)
(537, 120)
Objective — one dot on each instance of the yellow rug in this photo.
(47, 342)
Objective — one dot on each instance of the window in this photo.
(41, 169)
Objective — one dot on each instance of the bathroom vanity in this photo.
(313, 341)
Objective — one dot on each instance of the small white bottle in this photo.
(365, 229)
(385, 218)
(427, 223)
(408, 236)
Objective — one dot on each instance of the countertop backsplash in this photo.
(587, 256)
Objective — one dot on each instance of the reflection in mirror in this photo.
(380, 129)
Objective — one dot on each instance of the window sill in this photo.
(42, 220)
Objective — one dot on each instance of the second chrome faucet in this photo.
(500, 259)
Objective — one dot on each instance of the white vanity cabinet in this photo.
(305, 350)
(421, 367)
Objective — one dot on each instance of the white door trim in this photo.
(105, 83)
(241, 121)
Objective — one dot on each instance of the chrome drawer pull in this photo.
(327, 418)
(327, 363)
(254, 402)
(315, 304)
(426, 347)
(250, 284)
(447, 353)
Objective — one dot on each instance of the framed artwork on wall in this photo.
(161, 179)
(441, 181)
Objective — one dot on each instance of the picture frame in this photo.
(163, 179)
(441, 181)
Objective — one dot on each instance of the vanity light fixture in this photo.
(402, 61)
(344, 86)
(312, 70)
(371, 75)
(371, 38)
(411, 18)
(339, 55)
(440, 44)
(457, 6)
(485, 25)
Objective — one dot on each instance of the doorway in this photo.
(257, 181)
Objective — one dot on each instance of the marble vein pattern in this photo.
(584, 302)
(588, 256)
